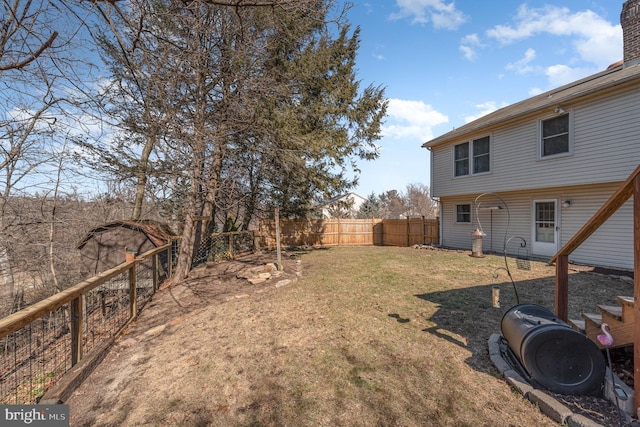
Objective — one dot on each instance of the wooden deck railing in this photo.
(629, 188)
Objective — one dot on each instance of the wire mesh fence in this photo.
(34, 357)
(223, 246)
(35, 354)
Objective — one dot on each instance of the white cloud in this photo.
(468, 52)
(560, 74)
(485, 108)
(441, 14)
(523, 66)
(412, 120)
(596, 41)
(468, 46)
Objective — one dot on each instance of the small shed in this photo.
(105, 246)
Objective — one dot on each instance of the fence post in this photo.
(132, 291)
(77, 320)
(408, 231)
(154, 272)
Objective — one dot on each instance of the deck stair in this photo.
(618, 317)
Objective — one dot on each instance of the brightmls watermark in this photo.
(34, 415)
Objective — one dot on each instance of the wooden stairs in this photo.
(618, 317)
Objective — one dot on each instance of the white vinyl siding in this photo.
(609, 246)
(605, 149)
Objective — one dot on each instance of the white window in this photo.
(461, 153)
(463, 214)
(481, 155)
(555, 137)
(472, 157)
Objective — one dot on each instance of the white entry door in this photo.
(545, 227)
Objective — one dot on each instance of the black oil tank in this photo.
(556, 356)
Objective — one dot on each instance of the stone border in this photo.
(555, 410)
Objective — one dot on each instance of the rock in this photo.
(155, 331)
(282, 283)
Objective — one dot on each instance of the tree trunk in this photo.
(6, 282)
(141, 177)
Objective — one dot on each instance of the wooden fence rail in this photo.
(67, 335)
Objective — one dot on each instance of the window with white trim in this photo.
(555, 136)
(472, 157)
(463, 214)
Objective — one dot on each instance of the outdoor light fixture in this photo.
(566, 203)
(558, 110)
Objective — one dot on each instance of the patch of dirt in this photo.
(172, 306)
(598, 409)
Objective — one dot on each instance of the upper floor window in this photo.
(555, 136)
(481, 155)
(461, 152)
(472, 157)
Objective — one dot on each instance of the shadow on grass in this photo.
(466, 316)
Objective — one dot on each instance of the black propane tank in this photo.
(555, 356)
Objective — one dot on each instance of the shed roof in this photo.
(607, 80)
(159, 234)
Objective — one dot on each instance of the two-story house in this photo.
(552, 160)
(343, 206)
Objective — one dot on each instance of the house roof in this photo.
(341, 197)
(159, 234)
(613, 78)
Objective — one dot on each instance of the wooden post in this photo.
(278, 248)
(170, 257)
(77, 320)
(133, 302)
(562, 287)
(408, 231)
(424, 233)
(129, 255)
(154, 272)
(636, 293)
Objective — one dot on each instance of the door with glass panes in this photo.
(545, 227)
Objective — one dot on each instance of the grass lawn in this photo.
(369, 336)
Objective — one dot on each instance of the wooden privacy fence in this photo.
(350, 232)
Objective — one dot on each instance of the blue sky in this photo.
(446, 63)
